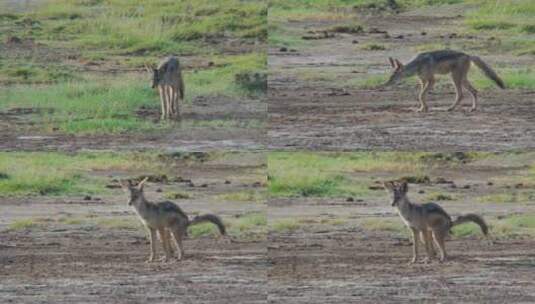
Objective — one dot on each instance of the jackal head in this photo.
(397, 72)
(135, 192)
(397, 190)
(155, 75)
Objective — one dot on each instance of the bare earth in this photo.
(353, 263)
(95, 262)
(323, 114)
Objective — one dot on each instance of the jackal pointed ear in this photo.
(399, 65)
(391, 62)
(142, 183)
(125, 184)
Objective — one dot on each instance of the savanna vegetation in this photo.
(79, 63)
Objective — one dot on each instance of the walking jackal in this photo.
(168, 78)
(166, 218)
(426, 65)
(429, 221)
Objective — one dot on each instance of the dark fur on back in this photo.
(168, 65)
(170, 206)
(435, 208)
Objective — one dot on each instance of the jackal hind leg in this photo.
(439, 236)
(169, 101)
(177, 235)
(164, 237)
(426, 86)
(176, 102)
(163, 102)
(473, 92)
(458, 78)
(414, 246)
(428, 245)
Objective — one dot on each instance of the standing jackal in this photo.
(168, 78)
(166, 218)
(428, 221)
(426, 65)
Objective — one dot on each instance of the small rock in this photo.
(423, 33)
(204, 185)
(466, 187)
(355, 41)
(227, 182)
(421, 191)
(350, 199)
(490, 183)
(87, 198)
(283, 49)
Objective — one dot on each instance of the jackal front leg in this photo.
(415, 242)
(426, 85)
(152, 233)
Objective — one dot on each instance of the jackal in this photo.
(168, 78)
(426, 65)
(429, 221)
(166, 218)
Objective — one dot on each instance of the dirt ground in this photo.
(324, 114)
(97, 262)
(350, 262)
(19, 131)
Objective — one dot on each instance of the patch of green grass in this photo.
(373, 47)
(437, 196)
(382, 224)
(284, 225)
(508, 227)
(108, 105)
(40, 173)
(177, 195)
(328, 174)
(248, 225)
(366, 82)
(23, 224)
(202, 229)
(119, 223)
(510, 21)
(514, 79)
(224, 79)
(243, 196)
(144, 26)
(94, 106)
(506, 197)
(30, 73)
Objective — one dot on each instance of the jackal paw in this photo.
(472, 109)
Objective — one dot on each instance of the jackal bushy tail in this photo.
(488, 71)
(472, 218)
(214, 219)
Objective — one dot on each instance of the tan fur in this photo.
(168, 78)
(427, 65)
(165, 219)
(428, 222)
